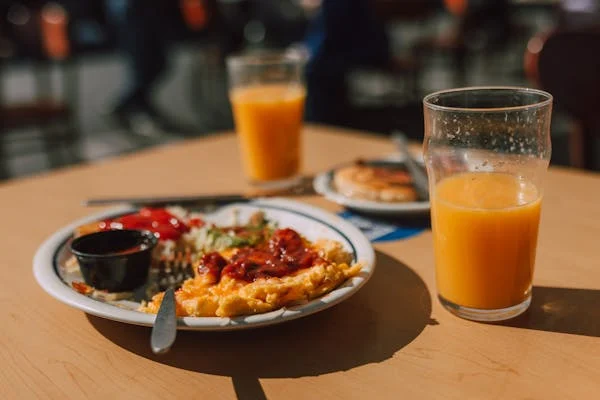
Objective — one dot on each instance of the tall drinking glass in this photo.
(487, 150)
(267, 94)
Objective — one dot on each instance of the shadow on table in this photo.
(389, 312)
(574, 311)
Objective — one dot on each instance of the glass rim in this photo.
(547, 99)
(266, 58)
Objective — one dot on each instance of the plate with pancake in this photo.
(380, 187)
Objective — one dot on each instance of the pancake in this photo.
(376, 183)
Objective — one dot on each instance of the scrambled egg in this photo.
(202, 296)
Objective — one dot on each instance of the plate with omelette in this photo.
(238, 266)
(379, 187)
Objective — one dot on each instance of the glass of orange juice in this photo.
(487, 150)
(267, 94)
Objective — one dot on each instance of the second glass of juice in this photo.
(487, 150)
(267, 96)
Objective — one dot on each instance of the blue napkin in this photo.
(377, 230)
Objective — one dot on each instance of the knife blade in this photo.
(421, 182)
(164, 330)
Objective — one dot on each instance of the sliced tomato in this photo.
(165, 232)
(158, 220)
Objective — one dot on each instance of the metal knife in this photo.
(419, 176)
(164, 330)
(303, 188)
(166, 200)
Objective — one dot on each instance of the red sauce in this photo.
(158, 220)
(282, 255)
(212, 263)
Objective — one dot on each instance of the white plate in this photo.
(323, 184)
(311, 222)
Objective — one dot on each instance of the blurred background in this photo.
(85, 80)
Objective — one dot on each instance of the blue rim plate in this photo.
(312, 222)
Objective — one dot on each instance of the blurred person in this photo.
(343, 35)
(481, 23)
(142, 32)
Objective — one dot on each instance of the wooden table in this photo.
(391, 340)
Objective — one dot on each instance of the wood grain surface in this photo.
(391, 340)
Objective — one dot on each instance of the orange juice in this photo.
(485, 228)
(268, 119)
